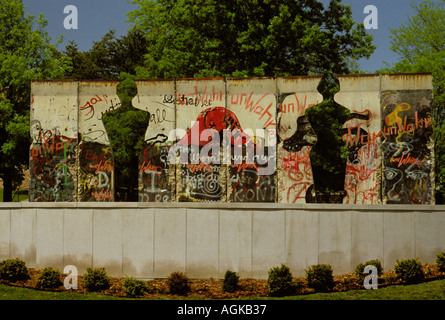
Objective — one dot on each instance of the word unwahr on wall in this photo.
(387, 132)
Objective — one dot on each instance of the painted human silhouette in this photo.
(126, 127)
(330, 152)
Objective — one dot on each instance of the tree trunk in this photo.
(7, 189)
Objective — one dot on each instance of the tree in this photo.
(107, 58)
(200, 38)
(25, 55)
(420, 45)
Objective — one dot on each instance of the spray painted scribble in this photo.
(407, 129)
(52, 165)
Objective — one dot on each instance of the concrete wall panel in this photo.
(23, 235)
(96, 163)
(398, 237)
(302, 237)
(268, 241)
(200, 116)
(252, 105)
(170, 252)
(366, 236)
(429, 235)
(296, 137)
(78, 238)
(361, 95)
(108, 240)
(138, 243)
(235, 243)
(202, 242)
(54, 133)
(156, 175)
(407, 133)
(50, 239)
(5, 234)
(335, 240)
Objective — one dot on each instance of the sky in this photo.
(97, 17)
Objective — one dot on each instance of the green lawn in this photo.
(433, 290)
(16, 293)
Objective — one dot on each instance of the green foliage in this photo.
(49, 278)
(230, 283)
(280, 281)
(96, 279)
(14, 270)
(26, 54)
(126, 127)
(409, 270)
(134, 287)
(320, 278)
(178, 283)
(359, 270)
(247, 37)
(107, 58)
(440, 260)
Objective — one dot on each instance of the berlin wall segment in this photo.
(234, 140)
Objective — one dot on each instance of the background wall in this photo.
(153, 240)
(389, 139)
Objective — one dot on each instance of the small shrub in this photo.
(409, 270)
(440, 260)
(96, 279)
(178, 283)
(280, 281)
(320, 278)
(49, 278)
(14, 270)
(134, 287)
(230, 283)
(359, 270)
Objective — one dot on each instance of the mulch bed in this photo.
(212, 288)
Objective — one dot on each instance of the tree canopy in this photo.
(25, 55)
(108, 57)
(202, 38)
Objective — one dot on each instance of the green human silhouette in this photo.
(126, 127)
(329, 154)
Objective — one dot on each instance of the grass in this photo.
(432, 290)
(18, 293)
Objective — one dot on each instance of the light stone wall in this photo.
(153, 240)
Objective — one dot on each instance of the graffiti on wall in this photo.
(252, 105)
(95, 155)
(52, 166)
(407, 126)
(296, 183)
(235, 140)
(363, 163)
